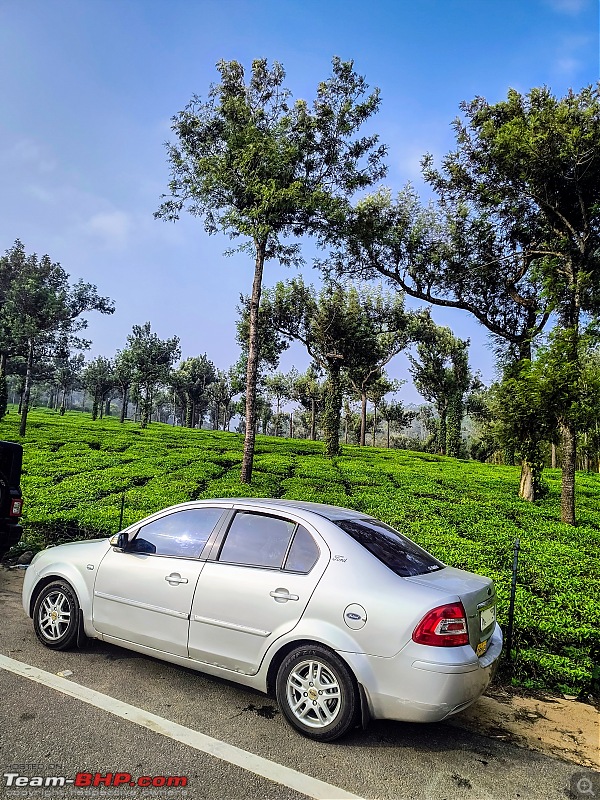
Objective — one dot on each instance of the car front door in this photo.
(255, 591)
(144, 593)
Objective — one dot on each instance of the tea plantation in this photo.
(467, 514)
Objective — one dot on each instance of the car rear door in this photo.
(254, 590)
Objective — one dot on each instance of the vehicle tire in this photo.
(317, 693)
(56, 616)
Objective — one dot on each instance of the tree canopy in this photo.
(256, 166)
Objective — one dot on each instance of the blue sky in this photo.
(88, 87)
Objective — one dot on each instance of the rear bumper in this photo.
(422, 684)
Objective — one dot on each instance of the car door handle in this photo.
(175, 578)
(282, 596)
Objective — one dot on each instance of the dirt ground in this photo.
(555, 726)
(563, 728)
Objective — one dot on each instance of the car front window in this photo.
(183, 533)
(400, 554)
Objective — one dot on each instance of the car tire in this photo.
(56, 616)
(317, 693)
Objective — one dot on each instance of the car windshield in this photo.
(402, 556)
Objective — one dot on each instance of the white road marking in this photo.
(312, 787)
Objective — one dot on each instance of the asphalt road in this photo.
(45, 732)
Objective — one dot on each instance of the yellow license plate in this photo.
(481, 648)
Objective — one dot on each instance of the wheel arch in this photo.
(279, 657)
(75, 580)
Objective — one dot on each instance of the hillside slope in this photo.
(467, 514)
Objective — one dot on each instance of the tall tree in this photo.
(441, 374)
(308, 391)
(152, 360)
(531, 164)
(390, 329)
(228, 384)
(524, 406)
(256, 166)
(123, 371)
(192, 379)
(395, 412)
(337, 328)
(375, 394)
(98, 379)
(280, 388)
(67, 370)
(43, 307)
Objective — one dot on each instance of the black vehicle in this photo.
(11, 502)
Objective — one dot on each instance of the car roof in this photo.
(324, 510)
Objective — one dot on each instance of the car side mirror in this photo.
(120, 541)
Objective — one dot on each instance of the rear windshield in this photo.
(402, 556)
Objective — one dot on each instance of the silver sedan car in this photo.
(339, 616)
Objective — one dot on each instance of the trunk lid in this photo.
(477, 594)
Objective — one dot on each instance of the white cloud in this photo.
(111, 227)
(572, 7)
(568, 61)
(40, 193)
(28, 151)
(568, 66)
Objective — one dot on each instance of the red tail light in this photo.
(16, 507)
(444, 626)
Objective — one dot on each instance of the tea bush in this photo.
(76, 473)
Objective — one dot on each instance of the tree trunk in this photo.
(570, 321)
(388, 434)
(442, 433)
(313, 420)
(26, 389)
(569, 459)
(252, 369)
(374, 425)
(526, 488)
(292, 425)
(453, 433)
(3, 386)
(363, 418)
(146, 410)
(553, 455)
(332, 412)
(124, 405)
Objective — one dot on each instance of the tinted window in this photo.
(257, 540)
(182, 534)
(303, 553)
(402, 556)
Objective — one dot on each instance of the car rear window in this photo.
(402, 556)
